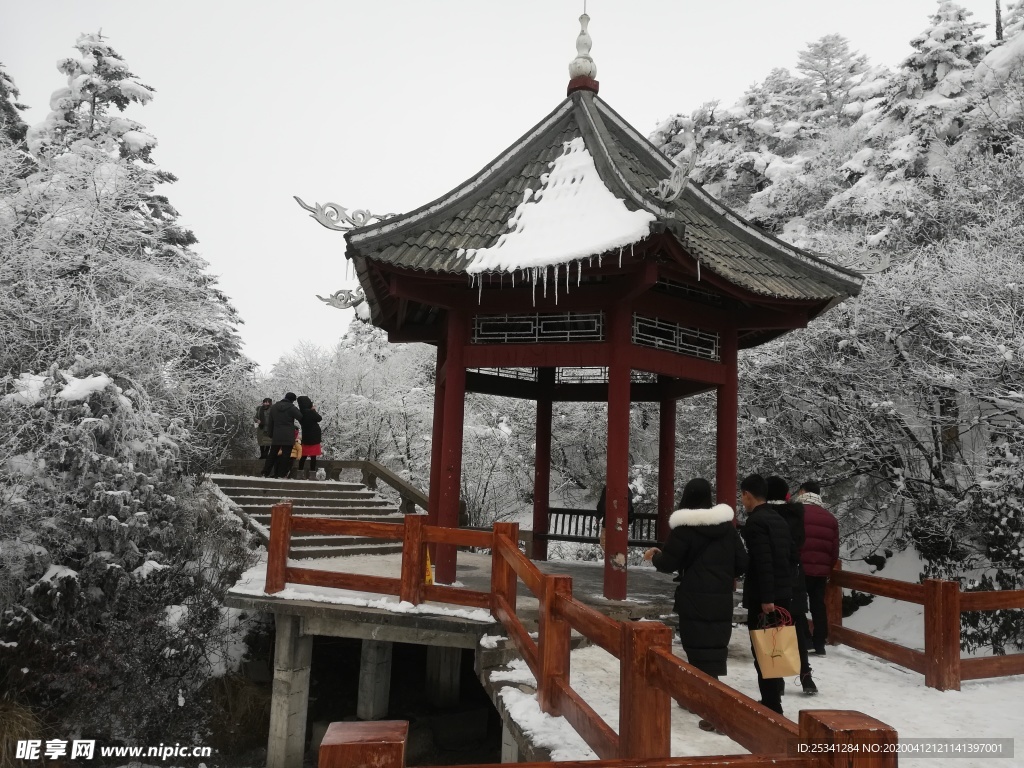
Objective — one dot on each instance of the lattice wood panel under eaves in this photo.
(538, 328)
(660, 334)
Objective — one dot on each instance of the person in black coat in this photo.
(769, 581)
(311, 434)
(793, 513)
(706, 550)
(281, 420)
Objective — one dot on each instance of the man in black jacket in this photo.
(793, 513)
(769, 581)
(281, 420)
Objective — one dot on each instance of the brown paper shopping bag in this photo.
(776, 649)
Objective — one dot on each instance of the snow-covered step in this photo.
(255, 498)
(261, 485)
(263, 492)
(347, 513)
(318, 502)
(366, 547)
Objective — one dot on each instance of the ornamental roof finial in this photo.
(583, 65)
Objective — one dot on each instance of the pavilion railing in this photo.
(940, 661)
(651, 676)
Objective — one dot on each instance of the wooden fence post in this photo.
(645, 712)
(414, 564)
(942, 634)
(376, 743)
(834, 604)
(503, 577)
(553, 640)
(280, 543)
(824, 727)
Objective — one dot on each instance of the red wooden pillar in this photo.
(645, 709)
(942, 634)
(542, 463)
(666, 457)
(846, 739)
(834, 604)
(379, 743)
(437, 437)
(450, 479)
(727, 413)
(617, 473)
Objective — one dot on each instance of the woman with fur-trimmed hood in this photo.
(707, 551)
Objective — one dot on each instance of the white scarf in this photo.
(810, 498)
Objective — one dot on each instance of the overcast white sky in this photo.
(388, 104)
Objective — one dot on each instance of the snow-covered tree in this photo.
(930, 95)
(1013, 19)
(120, 360)
(11, 124)
(832, 69)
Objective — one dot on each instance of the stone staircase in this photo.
(254, 497)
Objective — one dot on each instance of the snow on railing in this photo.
(651, 675)
(940, 662)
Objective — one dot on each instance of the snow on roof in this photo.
(572, 216)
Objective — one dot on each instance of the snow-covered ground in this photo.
(847, 679)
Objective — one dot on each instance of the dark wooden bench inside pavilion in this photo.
(582, 248)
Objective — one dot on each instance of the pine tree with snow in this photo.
(1013, 19)
(121, 358)
(11, 124)
(931, 92)
(833, 70)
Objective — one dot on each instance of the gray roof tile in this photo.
(434, 238)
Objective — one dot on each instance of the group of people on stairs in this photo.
(279, 438)
(785, 549)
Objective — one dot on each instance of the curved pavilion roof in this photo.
(448, 236)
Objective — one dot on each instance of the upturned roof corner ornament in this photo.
(870, 262)
(344, 299)
(669, 190)
(338, 218)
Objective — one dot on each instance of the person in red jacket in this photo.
(819, 554)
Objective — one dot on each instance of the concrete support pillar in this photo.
(509, 747)
(292, 656)
(444, 665)
(374, 680)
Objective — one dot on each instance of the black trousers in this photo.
(264, 450)
(816, 598)
(771, 688)
(803, 632)
(279, 461)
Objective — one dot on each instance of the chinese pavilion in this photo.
(582, 265)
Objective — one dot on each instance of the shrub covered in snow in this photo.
(121, 359)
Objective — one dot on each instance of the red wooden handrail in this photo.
(943, 602)
(649, 674)
(745, 721)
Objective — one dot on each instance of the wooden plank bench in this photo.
(584, 526)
